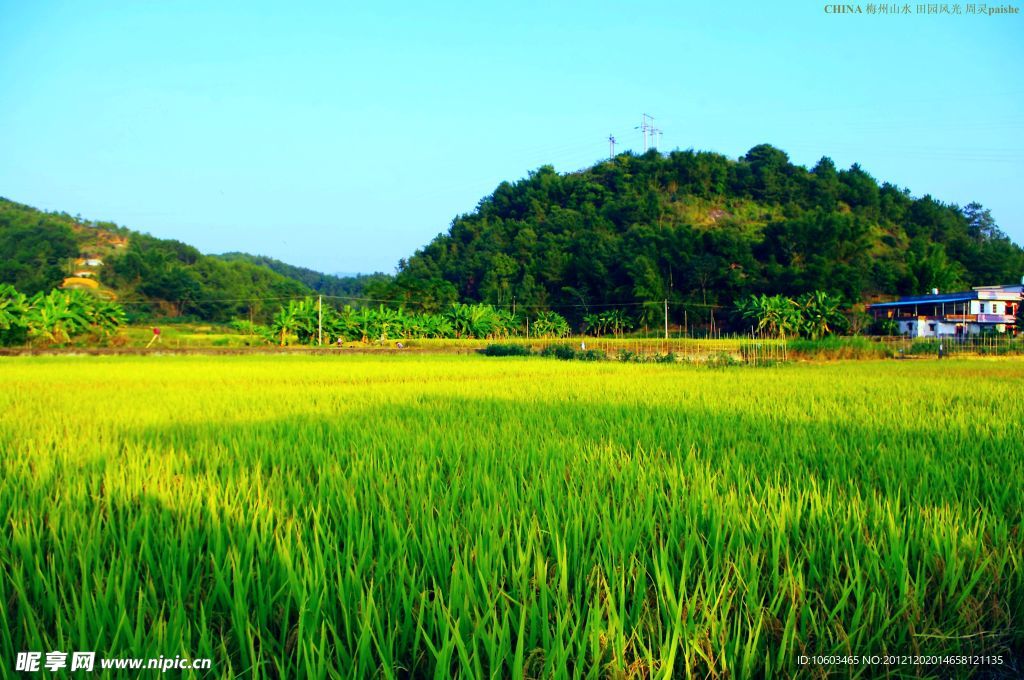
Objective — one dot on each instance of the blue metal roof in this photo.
(941, 298)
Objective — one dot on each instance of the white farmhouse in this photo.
(985, 308)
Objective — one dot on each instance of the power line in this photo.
(406, 301)
(191, 301)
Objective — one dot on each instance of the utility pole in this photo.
(320, 320)
(611, 146)
(513, 305)
(666, 319)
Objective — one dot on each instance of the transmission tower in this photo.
(646, 128)
(655, 137)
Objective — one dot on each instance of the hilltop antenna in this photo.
(611, 146)
(656, 132)
(646, 127)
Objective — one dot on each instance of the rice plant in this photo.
(462, 516)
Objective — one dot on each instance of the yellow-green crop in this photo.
(457, 516)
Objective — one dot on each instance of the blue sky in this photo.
(343, 136)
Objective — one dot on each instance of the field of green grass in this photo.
(187, 336)
(445, 516)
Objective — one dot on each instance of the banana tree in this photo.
(820, 314)
(413, 325)
(482, 320)
(56, 316)
(106, 316)
(775, 315)
(461, 318)
(616, 321)
(13, 316)
(505, 323)
(363, 322)
(551, 324)
(305, 316)
(437, 326)
(283, 324)
(343, 324)
(13, 307)
(390, 323)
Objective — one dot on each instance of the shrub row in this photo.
(564, 352)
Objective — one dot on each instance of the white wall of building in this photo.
(928, 328)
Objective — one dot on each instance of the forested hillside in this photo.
(694, 228)
(179, 280)
(35, 247)
(147, 275)
(700, 229)
(325, 284)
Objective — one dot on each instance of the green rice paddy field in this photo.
(459, 516)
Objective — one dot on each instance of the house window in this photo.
(931, 327)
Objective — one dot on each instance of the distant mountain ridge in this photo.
(353, 285)
(150, 276)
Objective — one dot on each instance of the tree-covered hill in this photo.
(695, 228)
(700, 229)
(35, 247)
(325, 284)
(148, 275)
(179, 280)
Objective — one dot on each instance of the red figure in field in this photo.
(155, 338)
